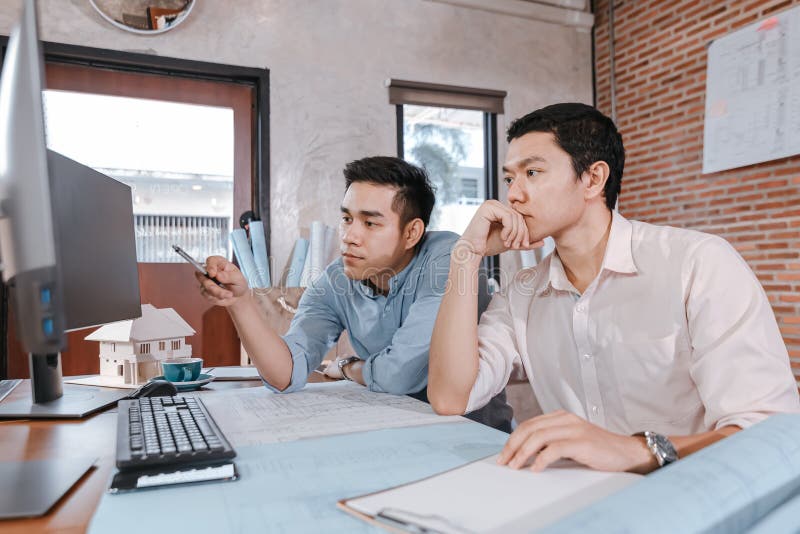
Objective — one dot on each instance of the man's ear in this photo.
(595, 178)
(413, 232)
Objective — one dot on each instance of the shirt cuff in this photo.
(366, 374)
(299, 371)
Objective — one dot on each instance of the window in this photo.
(452, 133)
(176, 345)
(94, 77)
(162, 345)
(470, 192)
(176, 157)
(144, 348)
(113, 347)
(448, 143)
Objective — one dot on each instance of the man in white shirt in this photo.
(626, 328)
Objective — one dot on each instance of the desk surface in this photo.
(92, 436)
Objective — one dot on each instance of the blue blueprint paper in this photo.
(247, 263)
(260, 257)
(724, 488)
(783, 520)
(294, 486)
(297, 263)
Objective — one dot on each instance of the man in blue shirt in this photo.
(385, 290)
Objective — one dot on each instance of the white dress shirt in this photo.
(674, 335)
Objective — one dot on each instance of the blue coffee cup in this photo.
(182, 369)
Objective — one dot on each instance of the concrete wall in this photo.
(345, 49)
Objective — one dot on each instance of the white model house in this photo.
(132, 350)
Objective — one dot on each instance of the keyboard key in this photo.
(164, 430)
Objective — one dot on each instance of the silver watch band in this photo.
(662, 448)
(344, 362)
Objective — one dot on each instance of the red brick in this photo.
(661, 58)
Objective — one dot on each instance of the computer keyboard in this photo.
(174, 431)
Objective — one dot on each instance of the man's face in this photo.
(542, 185)
(370, 232)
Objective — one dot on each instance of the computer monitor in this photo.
(67, 241)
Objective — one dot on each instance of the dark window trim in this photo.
(151, 64)
(490, 142)
(401, 149)
(490, 263)
(445, 96)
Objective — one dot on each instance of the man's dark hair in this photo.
(585, 134)
(414, 197)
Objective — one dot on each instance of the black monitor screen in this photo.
(96, 246)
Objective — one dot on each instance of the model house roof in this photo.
(153, 325)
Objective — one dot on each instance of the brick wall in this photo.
(661, 74)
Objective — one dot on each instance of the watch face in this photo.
(665, 448)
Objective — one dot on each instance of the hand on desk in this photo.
(332, 370)
(560, 434)
(353, 370)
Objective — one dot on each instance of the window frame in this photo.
(490, 263)
(257, 78)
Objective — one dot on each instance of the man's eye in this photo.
(508, 180)
(346, 219)
(370, 224)
(532, 173)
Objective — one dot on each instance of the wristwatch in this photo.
(660, 446)
(347, 361)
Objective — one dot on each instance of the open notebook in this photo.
(485, 497)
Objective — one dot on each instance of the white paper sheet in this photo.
(254, 416)
(102, 381)
(486, 497)
(753, 94)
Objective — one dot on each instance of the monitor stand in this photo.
(52, 399)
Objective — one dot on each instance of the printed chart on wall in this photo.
(753, 94)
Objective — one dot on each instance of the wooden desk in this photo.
(95, 436)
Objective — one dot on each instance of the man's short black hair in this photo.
(585, 134)
(414, 197)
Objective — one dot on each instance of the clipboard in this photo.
(482, 496)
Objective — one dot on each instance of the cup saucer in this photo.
(201, 381)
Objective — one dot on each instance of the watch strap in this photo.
(662, 448)
(344, 362)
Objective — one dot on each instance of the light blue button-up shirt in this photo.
(391, 332)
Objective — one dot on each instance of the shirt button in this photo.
(595, 410)
(587, 357)
(580, 308)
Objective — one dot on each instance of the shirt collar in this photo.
(619, 249)
(618, 256)
(395, 282)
